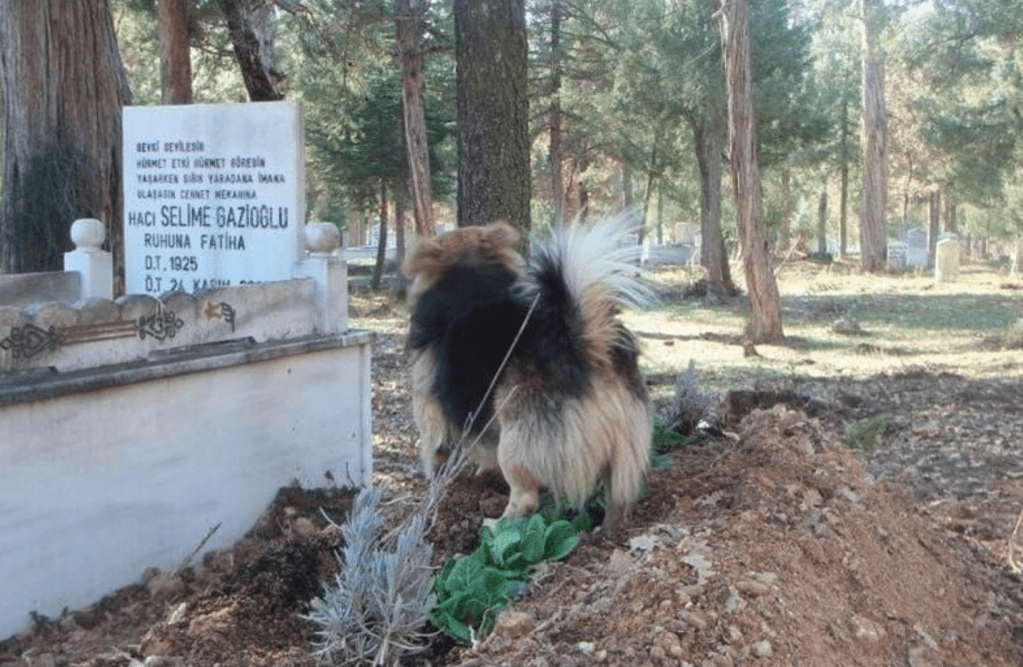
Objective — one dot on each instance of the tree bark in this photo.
(873, 232)
(950, 215)
(660, 211)
(409, 23)
(174, 35)
(707, 137)
(494, 177)
(822, 223)
(648, 191)
(248, 22)
(378, 268)
(628, 196)
(843, 197)
(556, 156)
(765, 302)
(62, 85)
(934, 210)
(399, 228)
(788, 207)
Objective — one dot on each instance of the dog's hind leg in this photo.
(525, 489)
(434, 430)
(484, 452)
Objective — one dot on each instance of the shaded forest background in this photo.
(627, 106)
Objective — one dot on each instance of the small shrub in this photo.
(377, 609)
(691, 406)
(864, 436)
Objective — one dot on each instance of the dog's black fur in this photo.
(468, 321)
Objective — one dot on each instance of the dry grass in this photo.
(907, 322)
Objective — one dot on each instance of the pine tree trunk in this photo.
(873, 232)
(822, 223)
(660, 211)
(628, 198)
(248, 22)
(788, 207)
(399, 228)
(409, 22)
(651, 182)
(843, 207)
(175, 52)
(556, 155)
(843, 174)
(934, 210)
(378, 268)
(62, 85)
(950, 216)
(707, 136)
(765, 302)
(494, 175)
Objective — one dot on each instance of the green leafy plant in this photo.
(472, 589)
(866, 435)
(666, 439)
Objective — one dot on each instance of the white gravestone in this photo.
(213, 195)
(946, 261)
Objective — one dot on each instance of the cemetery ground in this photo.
(857, 505)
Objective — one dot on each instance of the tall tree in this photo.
(556, 155)
(175, 39)
(63, 85)
(494, 179)
(708, 128)
(410, 23)
(837, 78)
(873, 225)
(248, 22)
(765, 302)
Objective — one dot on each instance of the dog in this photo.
(535, 347)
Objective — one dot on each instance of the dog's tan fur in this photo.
(603, 436)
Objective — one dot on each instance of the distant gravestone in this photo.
(917, 237)
(916, 250)
(897, 251)
(213, 195)
(687, 232)
(1017, 259)
(946, 261)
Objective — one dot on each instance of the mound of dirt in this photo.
(778, 547)
(777, 550)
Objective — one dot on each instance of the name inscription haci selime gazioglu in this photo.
(212, 195)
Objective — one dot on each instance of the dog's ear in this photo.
(425, 255)
(499, 243)
(501, 235)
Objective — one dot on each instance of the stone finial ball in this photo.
(88, 234)
(322, 237)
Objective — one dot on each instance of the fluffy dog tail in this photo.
(579, 278)
(577, 409)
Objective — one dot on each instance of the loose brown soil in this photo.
(771, 543)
